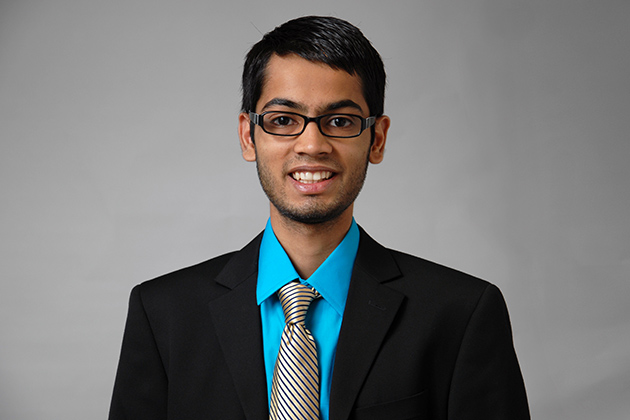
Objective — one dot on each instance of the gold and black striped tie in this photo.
(295, 385)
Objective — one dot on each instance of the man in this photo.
(386, 335)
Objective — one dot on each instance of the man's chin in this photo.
(312, 216)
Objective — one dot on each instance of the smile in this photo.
(311, 177)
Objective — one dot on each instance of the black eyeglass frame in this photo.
(257, 119)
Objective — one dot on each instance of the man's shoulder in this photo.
(206, 269)
(203, 280)
(417, 276)
(440, 289)
(438, 280)
(414, 266)
(403, 265)
(185, 283)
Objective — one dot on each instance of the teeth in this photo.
(311, 177)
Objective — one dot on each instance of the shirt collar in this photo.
(331, 279)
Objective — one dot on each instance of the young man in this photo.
(385, 336)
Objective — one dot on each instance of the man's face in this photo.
(311, 178)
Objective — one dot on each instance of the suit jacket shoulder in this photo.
(203, 281)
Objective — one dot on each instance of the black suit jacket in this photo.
(418, 341)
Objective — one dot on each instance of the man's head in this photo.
(319, 70)
(326, 40)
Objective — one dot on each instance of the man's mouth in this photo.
(311, 177)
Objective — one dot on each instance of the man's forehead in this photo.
(303, 85)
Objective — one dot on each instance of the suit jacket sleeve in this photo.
(487, 382)
(140, 389)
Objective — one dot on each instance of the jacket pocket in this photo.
(409, 408)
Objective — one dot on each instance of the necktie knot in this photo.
(295, 299)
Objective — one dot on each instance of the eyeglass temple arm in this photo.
(254, 118)
(368, 122)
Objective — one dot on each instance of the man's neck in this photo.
(308, 245)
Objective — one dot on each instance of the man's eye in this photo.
(340, 122)
(282, 121)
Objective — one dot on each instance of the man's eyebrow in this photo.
(346, 103)
(284, 102)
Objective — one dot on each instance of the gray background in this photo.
(507, 158)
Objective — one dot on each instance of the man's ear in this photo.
(380, 137)
(248, 148)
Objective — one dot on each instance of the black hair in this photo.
(327, 40)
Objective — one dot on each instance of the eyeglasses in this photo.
(290, 124)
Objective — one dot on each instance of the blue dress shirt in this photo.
(323, 319)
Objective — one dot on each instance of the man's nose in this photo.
(312, 141)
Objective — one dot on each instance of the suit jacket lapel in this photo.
(370, 310)
(237, 322)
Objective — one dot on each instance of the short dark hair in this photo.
(327, 40)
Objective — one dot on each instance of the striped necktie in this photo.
(295, 384)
